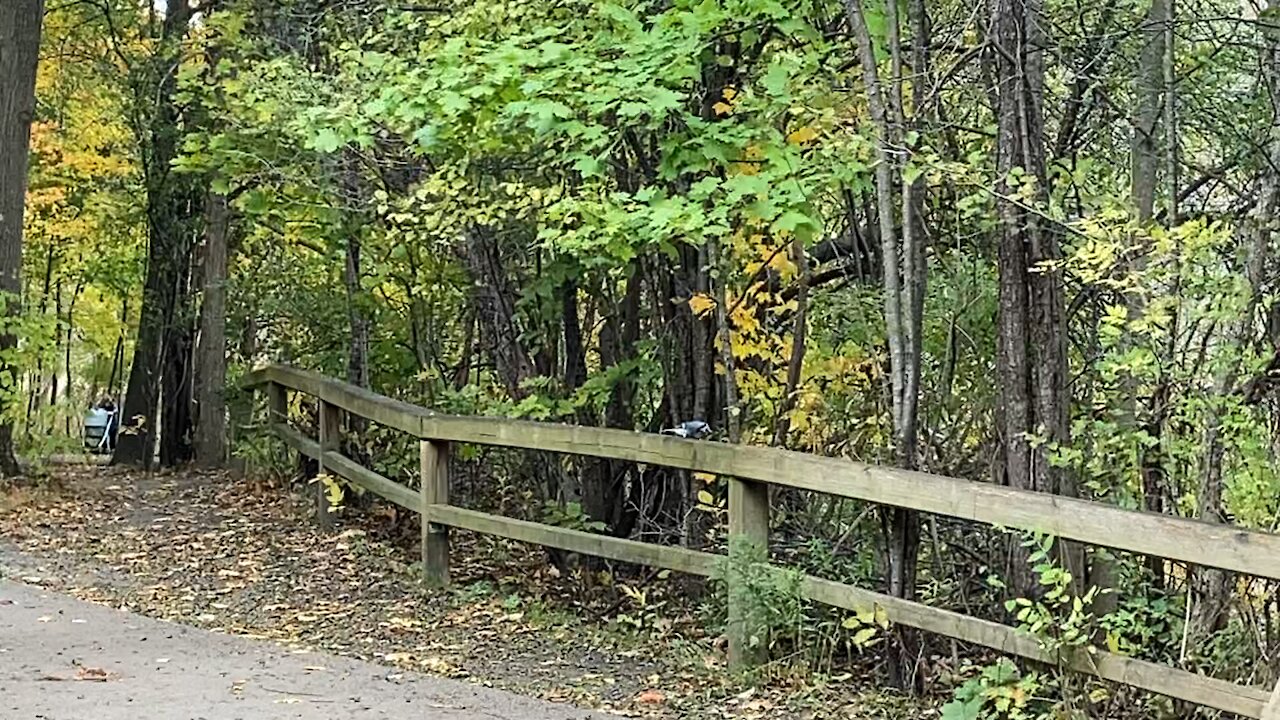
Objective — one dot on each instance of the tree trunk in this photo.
(37, 377)
(903, 271)
(606, 498)
(494, 303)
(57, 349)
(358, 353)
(117, 355)
(176, 441)
(1148, 92)
(211, 357)
(20, 22)
(723, 339)
(163, 327)
(795, 364)
(1031, 353)
(66, 361)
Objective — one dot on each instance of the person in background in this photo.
(107, 405)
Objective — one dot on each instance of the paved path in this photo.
(62, 659)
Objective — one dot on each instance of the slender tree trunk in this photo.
(211, 360)
(1148, 92)
(57, 348)
(903, 270)
(117, 355)
(494, 302)
(358, 354)
(20, 22)
(37, 377)
(71, 314)
(799, 328)
(619, 334)
(724, 340)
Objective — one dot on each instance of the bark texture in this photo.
(20, 24)
(1031, 328)
(211, 426)
(163, 347)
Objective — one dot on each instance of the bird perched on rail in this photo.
(690, 430)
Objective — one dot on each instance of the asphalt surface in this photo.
(63, 659)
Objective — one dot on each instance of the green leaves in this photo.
(326, 141)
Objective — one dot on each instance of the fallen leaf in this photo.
(651, 697)
(92, 674)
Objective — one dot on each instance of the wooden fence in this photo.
(751, 470)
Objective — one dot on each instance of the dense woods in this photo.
(1028, 242)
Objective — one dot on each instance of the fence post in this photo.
(1272, 709)
(278, 412)
(330, 420)
(748, 543)
(277, 403)
(435, 491)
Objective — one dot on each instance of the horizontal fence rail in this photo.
(1221, 546)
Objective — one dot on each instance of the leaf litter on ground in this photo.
(208, 550)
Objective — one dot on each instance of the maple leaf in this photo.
(803, 135)
(701, 304)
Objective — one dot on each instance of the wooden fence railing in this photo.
(751, 470)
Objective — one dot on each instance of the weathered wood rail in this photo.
(752, 469)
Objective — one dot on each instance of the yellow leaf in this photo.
(705, 477)
(722, 108)
(783, 265)
(744, 320)
(882, 617)
(332, 490)
(706, 498)
(1113, 643)
(802, 136)
(863, 637)
(701, 304)
(730, 93)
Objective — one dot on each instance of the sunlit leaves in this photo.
(701, 304)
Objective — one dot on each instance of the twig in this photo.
(293, 692)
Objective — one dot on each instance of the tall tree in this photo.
(898, 208)
(1031, 327)
(20, 23)
(162, 354)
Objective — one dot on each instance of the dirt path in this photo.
(216, 553)
(64, 659)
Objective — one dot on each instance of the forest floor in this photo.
(210, 551)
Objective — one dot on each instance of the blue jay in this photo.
(690, 429)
